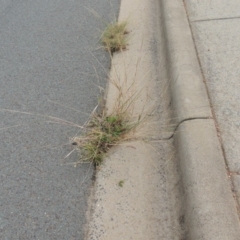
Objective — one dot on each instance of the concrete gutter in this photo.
(131, 199)
(210, 209)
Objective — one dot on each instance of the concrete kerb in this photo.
(189, 96)
(210, 209)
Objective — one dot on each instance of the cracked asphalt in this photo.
(51, 69)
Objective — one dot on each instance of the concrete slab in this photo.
(213, 9)
(132, 198)
(138, 75)
(219, 52)
(188, 92)
(210, 209)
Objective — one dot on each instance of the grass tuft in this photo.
(102, 132)
(114, 37)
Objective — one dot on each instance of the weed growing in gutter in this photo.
(102, 132)
(114, 37)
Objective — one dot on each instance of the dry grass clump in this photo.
(102, 132)
(105, 131)
(114, 37)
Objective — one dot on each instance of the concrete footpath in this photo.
(216, 35)
(176, 178)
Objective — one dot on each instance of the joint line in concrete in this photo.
(215, 19)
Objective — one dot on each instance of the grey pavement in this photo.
(216, 26)
(48, 55)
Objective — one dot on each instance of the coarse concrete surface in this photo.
(189, 96)
(194, 196)
(194, 151)
(212, 9)
(48, 51)
(133, 198)
(210, 209)
(216, 35)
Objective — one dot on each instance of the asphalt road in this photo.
(48, 56)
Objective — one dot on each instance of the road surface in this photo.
(51, 69)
